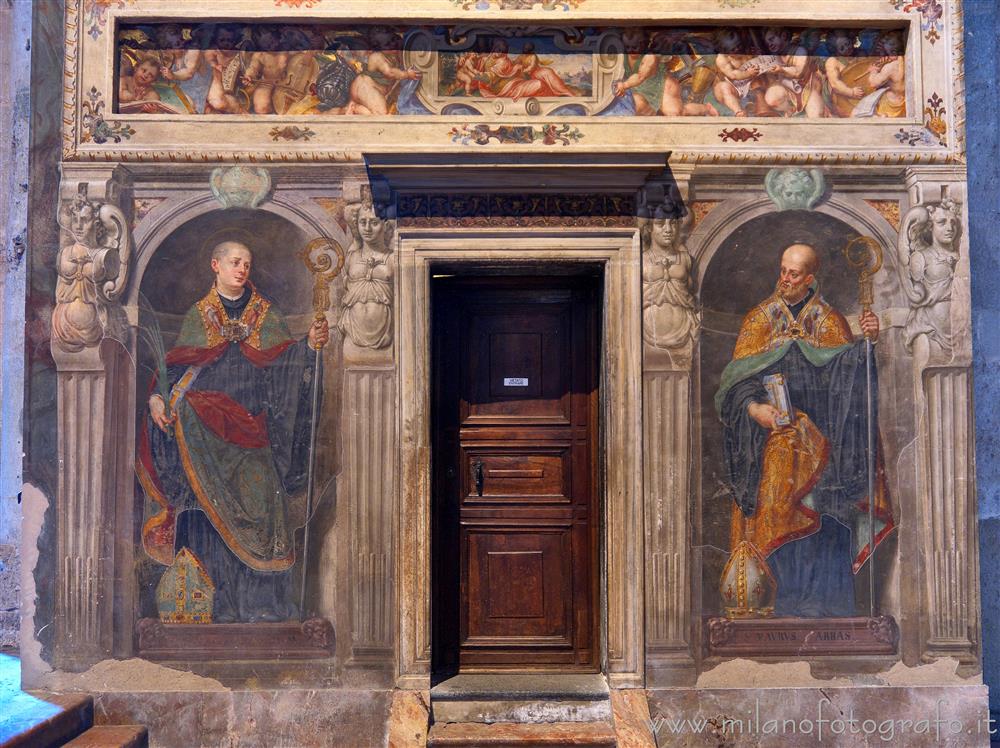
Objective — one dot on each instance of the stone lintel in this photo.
(544, 172)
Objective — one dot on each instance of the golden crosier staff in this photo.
(318, 256)
(864, 253)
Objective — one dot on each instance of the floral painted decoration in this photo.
(98, 130)
(516, 134)
(96, 12)
(931, 12)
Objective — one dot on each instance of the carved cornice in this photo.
(557, 173)
(510, 210)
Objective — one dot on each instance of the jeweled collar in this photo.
(219, 328)
(785, 324)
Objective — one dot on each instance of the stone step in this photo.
(512, 735)
(40, 720)
(521, 698)
(111, 736)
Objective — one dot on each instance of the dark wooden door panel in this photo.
(515, 434)
(515, 369)
(517, 596)
(515, 474)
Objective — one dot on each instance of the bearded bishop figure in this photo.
(799, 477)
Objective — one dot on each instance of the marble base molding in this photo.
(258, 717)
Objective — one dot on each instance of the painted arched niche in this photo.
(737, 252)
(173, 272)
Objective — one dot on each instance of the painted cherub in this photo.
(266, 69)
(139, 85)
(737, 72)
(180, 60)
(468, 68)
(223, 59)
(888, 71)
(374, 90)
(795, 85)
(844, 87)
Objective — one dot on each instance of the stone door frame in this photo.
(617, 250)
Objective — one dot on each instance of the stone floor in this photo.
(31, 720)
(17, 708)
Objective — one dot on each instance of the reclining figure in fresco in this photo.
(224, 458)
(800, 478)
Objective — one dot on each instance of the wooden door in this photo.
(515, 473)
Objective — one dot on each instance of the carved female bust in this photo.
(669, 316)
(92, 269)
(367, 304)
(929, 253)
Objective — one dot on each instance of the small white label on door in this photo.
(515, 381)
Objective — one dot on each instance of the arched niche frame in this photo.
(167, 218)
(713, 232)
(183, 238)
(898, 593)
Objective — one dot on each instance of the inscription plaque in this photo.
(802, 636)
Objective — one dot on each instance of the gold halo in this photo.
(227, 234)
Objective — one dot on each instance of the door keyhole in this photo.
(477, 468)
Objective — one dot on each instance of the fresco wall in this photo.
(294, 70)
(255, 455)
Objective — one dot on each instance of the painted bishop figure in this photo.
(224, 458)
(800, 483)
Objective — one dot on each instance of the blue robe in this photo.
(815, 547)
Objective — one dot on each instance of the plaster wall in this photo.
(982, 43)
(15, 57)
